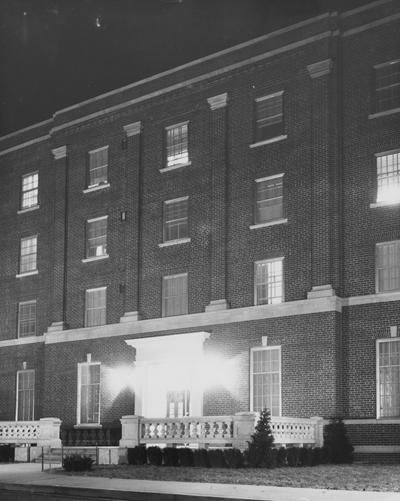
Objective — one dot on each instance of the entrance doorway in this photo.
(178, 403)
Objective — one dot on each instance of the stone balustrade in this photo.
(43, 433)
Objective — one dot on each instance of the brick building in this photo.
(215, 239)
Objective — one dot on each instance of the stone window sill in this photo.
(89, 425)
(174, 242)
(383, 204)
(268, 141)
(269, 223)
(174, 167)
(26, 274)
(96, 188)
(28, 209)
(95, 258)
(383, 113)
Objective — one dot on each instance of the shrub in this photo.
(337, 441)
(185, 456)
(316, 456)
(305, 456)
(281, 458)
(6, 453)
(258, 453)
(170, 456)
(233, 458)
(200, 458)
(137, 455)
(155, 456)
(76, 462)
(326, 455)
(293, 456)
(216, 458)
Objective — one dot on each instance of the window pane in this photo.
(175, 220)
(388, 178)
(25, 395)
(175, 297)
(28, 254)
(389, 378)
(269, 282)
(90, 393)
(388, 266)
(269, 200)
(269, 117)
(266, 380)
(388, 86)
(98, 167)
(29, 194)
(96, 244)
(177, 145)
(95, 307)
(27, 319)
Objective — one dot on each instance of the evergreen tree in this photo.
(337, 442)
(259, 452)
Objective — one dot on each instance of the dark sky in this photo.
(54, 53)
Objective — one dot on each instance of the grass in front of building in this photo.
(359, 477)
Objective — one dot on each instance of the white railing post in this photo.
(130, 433)
(49, 433)
(243, 428)
(319, 430)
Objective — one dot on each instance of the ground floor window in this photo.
(25, 395)
(89, 393)
(388, 368)
(265, 379)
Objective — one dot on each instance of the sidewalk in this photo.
(29, 477)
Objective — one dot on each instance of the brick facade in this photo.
(331, 316)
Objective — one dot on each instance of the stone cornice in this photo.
(59, 152)
(320, 68)
(133, 129)
(219, 101)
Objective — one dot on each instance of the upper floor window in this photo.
(27, 319)
(28, 254)
(269, 199)
(268, 281)
(388, 266)
(25, 395)
(269, 116)
(88, 393)
(388, 375)
(95, 307)
(176, 219)
(174, 295)
(177, 145)
(387, 85)
(29, 190)
(388, 177)
(96, 237)
(265, 367)
(98, 167)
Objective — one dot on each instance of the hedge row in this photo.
(226, 458)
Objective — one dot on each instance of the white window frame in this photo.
(377, 67)
(100, 256)
(90, 169)
(23, 207)
(95, 289)
(165, 278)
(378, 392)
(170, 162)
(26, 303)
(265, 261)
(30, 270)
(270, 222)
(265, 348)
(394, 200)
(25, 371)
(381, 244)
(166, 222)
(79, 395)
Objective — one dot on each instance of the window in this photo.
(387, 85)
(388, 177)
(177, 145)
(95, 307)
(89, 393)
(269, 199)
(269, 116)
(25, 395)
(268, 281)
(96, 237)
(98, 166)
(176, 219)
(29, 190)
(265, 367)
(388, 368)
(27, 319)
(388, 266)
(174, 295)
(28, 254)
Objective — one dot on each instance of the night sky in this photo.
(57, 53)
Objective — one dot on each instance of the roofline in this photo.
(25, 129)
(364, 7)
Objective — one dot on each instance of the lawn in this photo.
(351, 477)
